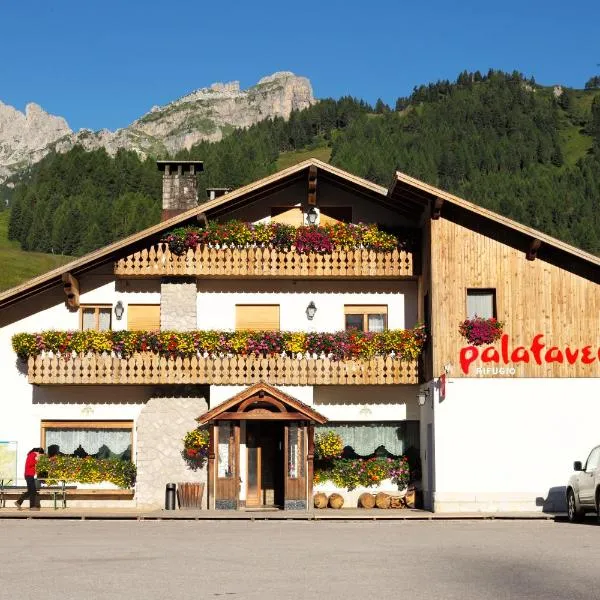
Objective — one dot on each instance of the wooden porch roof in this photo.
(263, 392)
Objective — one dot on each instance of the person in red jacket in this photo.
(30, 472)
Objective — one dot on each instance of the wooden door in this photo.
(227, 475)
(264, 446)
(295, 466)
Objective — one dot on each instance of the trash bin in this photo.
(170, 495)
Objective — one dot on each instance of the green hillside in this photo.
(497, 139)
(18, 265)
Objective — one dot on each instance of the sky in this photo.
(102, 64)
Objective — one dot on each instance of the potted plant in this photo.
(479, 331)
(195, 448)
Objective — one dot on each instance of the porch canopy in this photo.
(264, 402)
(261, 450)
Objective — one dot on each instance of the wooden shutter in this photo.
(143, 317)
(257, 317)
(288, 215)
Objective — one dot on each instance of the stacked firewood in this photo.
(367, 500)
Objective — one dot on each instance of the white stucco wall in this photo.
(509, 444)
(217, 300)
(24, 406)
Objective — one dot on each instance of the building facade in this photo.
(487, 427)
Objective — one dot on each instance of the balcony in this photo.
(149, 368)
(159, 261)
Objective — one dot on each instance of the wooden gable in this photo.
(262, 401)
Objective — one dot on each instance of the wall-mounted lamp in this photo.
(312, 215)
(311, 309)
(119, 310)
(422, 397)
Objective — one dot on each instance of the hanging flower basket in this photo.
(195, 448)
(479, 331)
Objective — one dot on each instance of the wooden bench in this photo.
(14, 491)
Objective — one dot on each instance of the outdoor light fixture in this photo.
(422, 397)
(311, 309)
(311, 216)
(119, 310)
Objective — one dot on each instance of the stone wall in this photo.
(161, 426)
(179, 191)
(178, 305)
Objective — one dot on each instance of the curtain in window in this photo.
(481, 305)
(101, 443)
(376, 323)
(365, 438)
(104, 319)
(89, 318)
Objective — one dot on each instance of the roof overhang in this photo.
(429, 201)
(240, 197)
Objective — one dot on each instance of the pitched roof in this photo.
(421, 196)
(406, 194)
(261, 386)
(248, 193)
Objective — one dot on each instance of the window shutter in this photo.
(257, 317)
(143, 317)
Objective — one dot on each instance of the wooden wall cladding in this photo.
(532, 297)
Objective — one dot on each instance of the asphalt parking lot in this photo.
(299, 560)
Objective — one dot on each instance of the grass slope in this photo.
(17, 266)
(289, 159)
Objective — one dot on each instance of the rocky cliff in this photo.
(205, 114)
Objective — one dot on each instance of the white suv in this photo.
(583, 491)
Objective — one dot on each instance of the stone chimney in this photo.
(180, 190)
(213, 193)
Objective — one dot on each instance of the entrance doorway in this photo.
(271, 434)
(265, 477)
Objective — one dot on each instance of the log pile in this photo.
(385, 500)
(382, 500)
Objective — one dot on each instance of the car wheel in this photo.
(574, 512)
(598, 505)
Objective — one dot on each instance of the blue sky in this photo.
(105, 63)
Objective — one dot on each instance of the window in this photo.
(363, 439)
(288, 215)
(593, 461)
(143, 317)
(95, 317)
(225, 450)
(99, 439)
(481, 303)
(257, 317)
(366, 318)
(295, 451)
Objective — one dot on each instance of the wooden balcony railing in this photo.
(265, 262)
(148, 368)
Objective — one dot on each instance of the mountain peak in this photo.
(207, 113)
